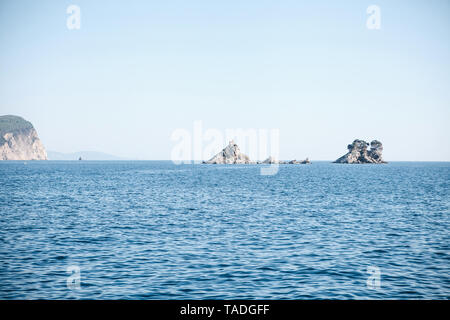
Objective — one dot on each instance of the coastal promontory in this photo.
(358, 153)
(19, 140)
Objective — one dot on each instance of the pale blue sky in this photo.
(137, 70)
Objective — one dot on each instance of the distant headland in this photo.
(19, 140)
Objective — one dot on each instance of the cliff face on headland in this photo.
(231, 154)
(19, 140)
(358, 153)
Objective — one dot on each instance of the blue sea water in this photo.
(155, 230)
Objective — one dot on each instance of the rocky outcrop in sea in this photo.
(270, 160)
(19, 140)
(306, 161)
(358, 153)
(231, 154)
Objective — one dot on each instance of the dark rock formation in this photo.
(270, 160)
(358, 153)
(19, 140)
(306, 161)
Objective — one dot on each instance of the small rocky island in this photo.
(358, 153)
(19, 140)
(231, 154)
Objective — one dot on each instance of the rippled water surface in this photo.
(154, 230)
